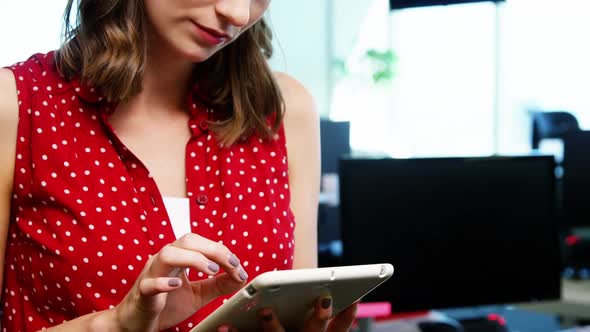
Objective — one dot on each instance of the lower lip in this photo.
(208, 37)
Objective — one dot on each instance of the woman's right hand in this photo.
(162, 296)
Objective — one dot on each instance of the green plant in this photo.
(382, 63)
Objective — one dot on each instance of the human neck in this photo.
(165, 84)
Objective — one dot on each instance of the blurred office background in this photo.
(443, 87)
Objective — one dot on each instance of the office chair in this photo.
(551, 124)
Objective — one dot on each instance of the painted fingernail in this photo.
(213, 267)
(174, 282)
(327, 302)
(267, 318)
(223, 329)
(233, 260)
(243, 275)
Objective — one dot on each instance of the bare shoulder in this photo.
(302, 133)
(299, 103)
(8, 130)
(8, 123)
(8, 97)
(8, 103)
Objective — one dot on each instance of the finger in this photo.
(269, 321)
(226, 328)
(211, 288)
(154, 286)
(214, 251)
(170, 261)
(321, 315)
(343, 321)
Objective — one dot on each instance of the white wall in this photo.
(310, 35)
(347, 20)
(28, 27)
(301, 44)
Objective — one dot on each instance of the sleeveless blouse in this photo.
(86, 214)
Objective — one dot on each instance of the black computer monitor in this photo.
(576, 180)
(335, 138)
(459, 231)
(335, 143)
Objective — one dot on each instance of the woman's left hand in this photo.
(319, 321)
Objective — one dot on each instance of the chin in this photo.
(199, 54)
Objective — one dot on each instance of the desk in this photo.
(537, 317)
(575, 301)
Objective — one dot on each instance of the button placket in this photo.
(145, 187)
(197, 163)
(200, 195)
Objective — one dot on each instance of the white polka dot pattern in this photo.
(87, 215)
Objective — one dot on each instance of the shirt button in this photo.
(202, 199)
(204, 125)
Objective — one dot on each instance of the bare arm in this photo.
(303, 146)
(8, 124)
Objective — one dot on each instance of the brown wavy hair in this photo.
(106, 47)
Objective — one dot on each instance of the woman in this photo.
(154, 119)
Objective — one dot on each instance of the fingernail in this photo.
(326, 303)
(233, 260)
(213, 267)
(267, 318)
(243, 275)
(174, 282)
(223, 329)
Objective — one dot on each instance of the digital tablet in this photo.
(292, 294)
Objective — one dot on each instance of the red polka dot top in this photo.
(86, 214)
